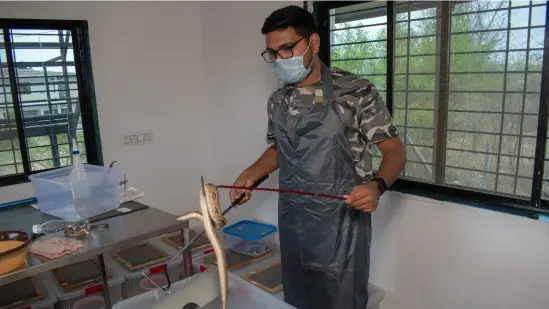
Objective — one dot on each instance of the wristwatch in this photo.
(381, 185)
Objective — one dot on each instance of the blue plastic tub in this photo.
(250, 237)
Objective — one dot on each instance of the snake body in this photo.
(213, 219)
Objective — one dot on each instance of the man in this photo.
(322, 125)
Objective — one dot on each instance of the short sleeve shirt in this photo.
(357, 99)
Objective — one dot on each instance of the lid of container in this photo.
(158, 248)
(250, 230)
(115, 278)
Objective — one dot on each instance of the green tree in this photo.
(477, 80)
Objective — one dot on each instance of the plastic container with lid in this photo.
(203, 290)
(89, 296)
(375, 296)
(46, 302)
(136, 283)
(198, 254)
(55, 195)
(250, 237)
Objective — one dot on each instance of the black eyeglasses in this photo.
(285, 52)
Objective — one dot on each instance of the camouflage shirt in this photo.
(356, 99)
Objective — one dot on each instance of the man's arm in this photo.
(394, 158)
(266, 164)
(374, 121)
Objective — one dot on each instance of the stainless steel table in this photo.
(123, 230)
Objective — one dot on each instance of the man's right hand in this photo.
(241, 181)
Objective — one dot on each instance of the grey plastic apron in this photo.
(324, 243)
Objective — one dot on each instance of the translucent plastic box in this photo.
(135, 283)
(53, 190)
(203, 290)
(49, 300)
(90, 296)
(250, 237)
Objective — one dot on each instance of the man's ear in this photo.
(315, 42)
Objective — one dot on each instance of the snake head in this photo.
(214, 210)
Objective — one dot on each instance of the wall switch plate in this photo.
(136, 138)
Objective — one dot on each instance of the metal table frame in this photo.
(124, 230)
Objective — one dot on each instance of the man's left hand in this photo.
(363, 197)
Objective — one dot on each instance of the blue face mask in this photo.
(292, 70)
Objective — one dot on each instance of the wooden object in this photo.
(79, 274)
(140, 256)
(268, 278)
(19, 292)
(237, 260)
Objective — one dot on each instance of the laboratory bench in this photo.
(135, 223)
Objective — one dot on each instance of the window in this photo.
(463, 82)
(44, 68)
(25, 88)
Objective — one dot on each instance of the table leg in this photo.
(106, 290)
(187, 257)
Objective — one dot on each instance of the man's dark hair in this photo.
(291, 16)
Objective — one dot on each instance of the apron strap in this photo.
(327, 84)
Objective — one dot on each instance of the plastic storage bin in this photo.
(203, 289)
(90, 296)
(250, 237)
(198, 254)
(375, 296)
(136, 283)
(47, 302)
(53, 191)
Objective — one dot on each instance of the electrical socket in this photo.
(136, 138)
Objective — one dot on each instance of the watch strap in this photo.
(381, 184)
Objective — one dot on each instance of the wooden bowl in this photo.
(13, 250)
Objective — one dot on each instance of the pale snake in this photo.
(213, 219)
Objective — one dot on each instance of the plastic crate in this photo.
(201, 289)
(90, 296)
(135, 283)
(250, 237)
(197, 255)
(49, 300)
(53, 191)
(375, 296)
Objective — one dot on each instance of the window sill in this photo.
(476, 199)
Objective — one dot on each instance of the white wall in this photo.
(433, 255)
(203, 94)
(188, 71)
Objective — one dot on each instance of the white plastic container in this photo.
(49, 300)
(91, 296)
(54, 192)
(135, 283)
(203, 289)
(197, 255)
(375, 296)
(249, 237)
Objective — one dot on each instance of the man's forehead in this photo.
(280, 38)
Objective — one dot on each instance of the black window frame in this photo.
(86, 93)
(528, 207)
